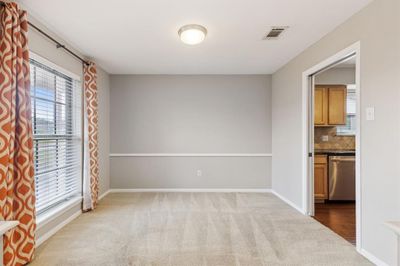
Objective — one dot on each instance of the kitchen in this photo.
(334, 149)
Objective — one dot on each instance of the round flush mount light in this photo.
(192, 34)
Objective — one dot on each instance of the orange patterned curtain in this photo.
(91, 161)
(17, 188)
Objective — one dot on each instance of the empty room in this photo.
(209, 133)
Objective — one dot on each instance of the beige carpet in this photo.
(195, 229)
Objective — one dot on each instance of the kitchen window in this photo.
(56, 117)
(350, 128)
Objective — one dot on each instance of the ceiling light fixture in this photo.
(192, 34)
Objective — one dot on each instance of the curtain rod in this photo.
(58, 44)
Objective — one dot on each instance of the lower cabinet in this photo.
(320, 178)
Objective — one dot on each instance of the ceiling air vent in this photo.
(275, 33)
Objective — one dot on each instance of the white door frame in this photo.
(307, 162)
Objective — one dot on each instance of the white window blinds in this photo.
(351, 106)
(56, 115)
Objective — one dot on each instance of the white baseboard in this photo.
(104, 194)
(223, 190)
(291, 204)
(55, 229)
(371, 257)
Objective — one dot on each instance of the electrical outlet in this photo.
(199, 173)
(325, 138)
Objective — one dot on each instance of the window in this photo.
(56, 117)
(350, 127)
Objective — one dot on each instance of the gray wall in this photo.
(43, 47)
(337, 76)
(380, 142)
(190, 114)
(180, 172)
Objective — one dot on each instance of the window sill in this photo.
(48, 216)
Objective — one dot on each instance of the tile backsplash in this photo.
(334, 142)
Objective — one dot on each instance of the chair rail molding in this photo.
(190, 155)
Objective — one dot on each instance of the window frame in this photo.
(348, 133)
(53, 212)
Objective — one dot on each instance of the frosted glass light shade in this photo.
(192, 34)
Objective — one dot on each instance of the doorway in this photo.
(331, 144)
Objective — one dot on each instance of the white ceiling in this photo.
(140, 36)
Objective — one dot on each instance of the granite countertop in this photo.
(327, 151)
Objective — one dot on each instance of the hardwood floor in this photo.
(339, 217)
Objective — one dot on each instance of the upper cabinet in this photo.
(337, 105)
(320, 106)
(330, 105)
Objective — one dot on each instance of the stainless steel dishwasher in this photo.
(342, 178)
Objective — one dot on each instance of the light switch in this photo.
(370, 113)
(325, 138)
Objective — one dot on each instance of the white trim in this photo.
(104, 194)
(290, 203)
(5, 226)
(52, 65)
(55, 229)
(48, 216)
(221, 190)
(190, 155)
(305, 141)
(307, 196)
(371, 258)
(358, 146)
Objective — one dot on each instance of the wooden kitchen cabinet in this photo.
(320, 178)
(320, 106)
(330, 105)
(337, 112)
